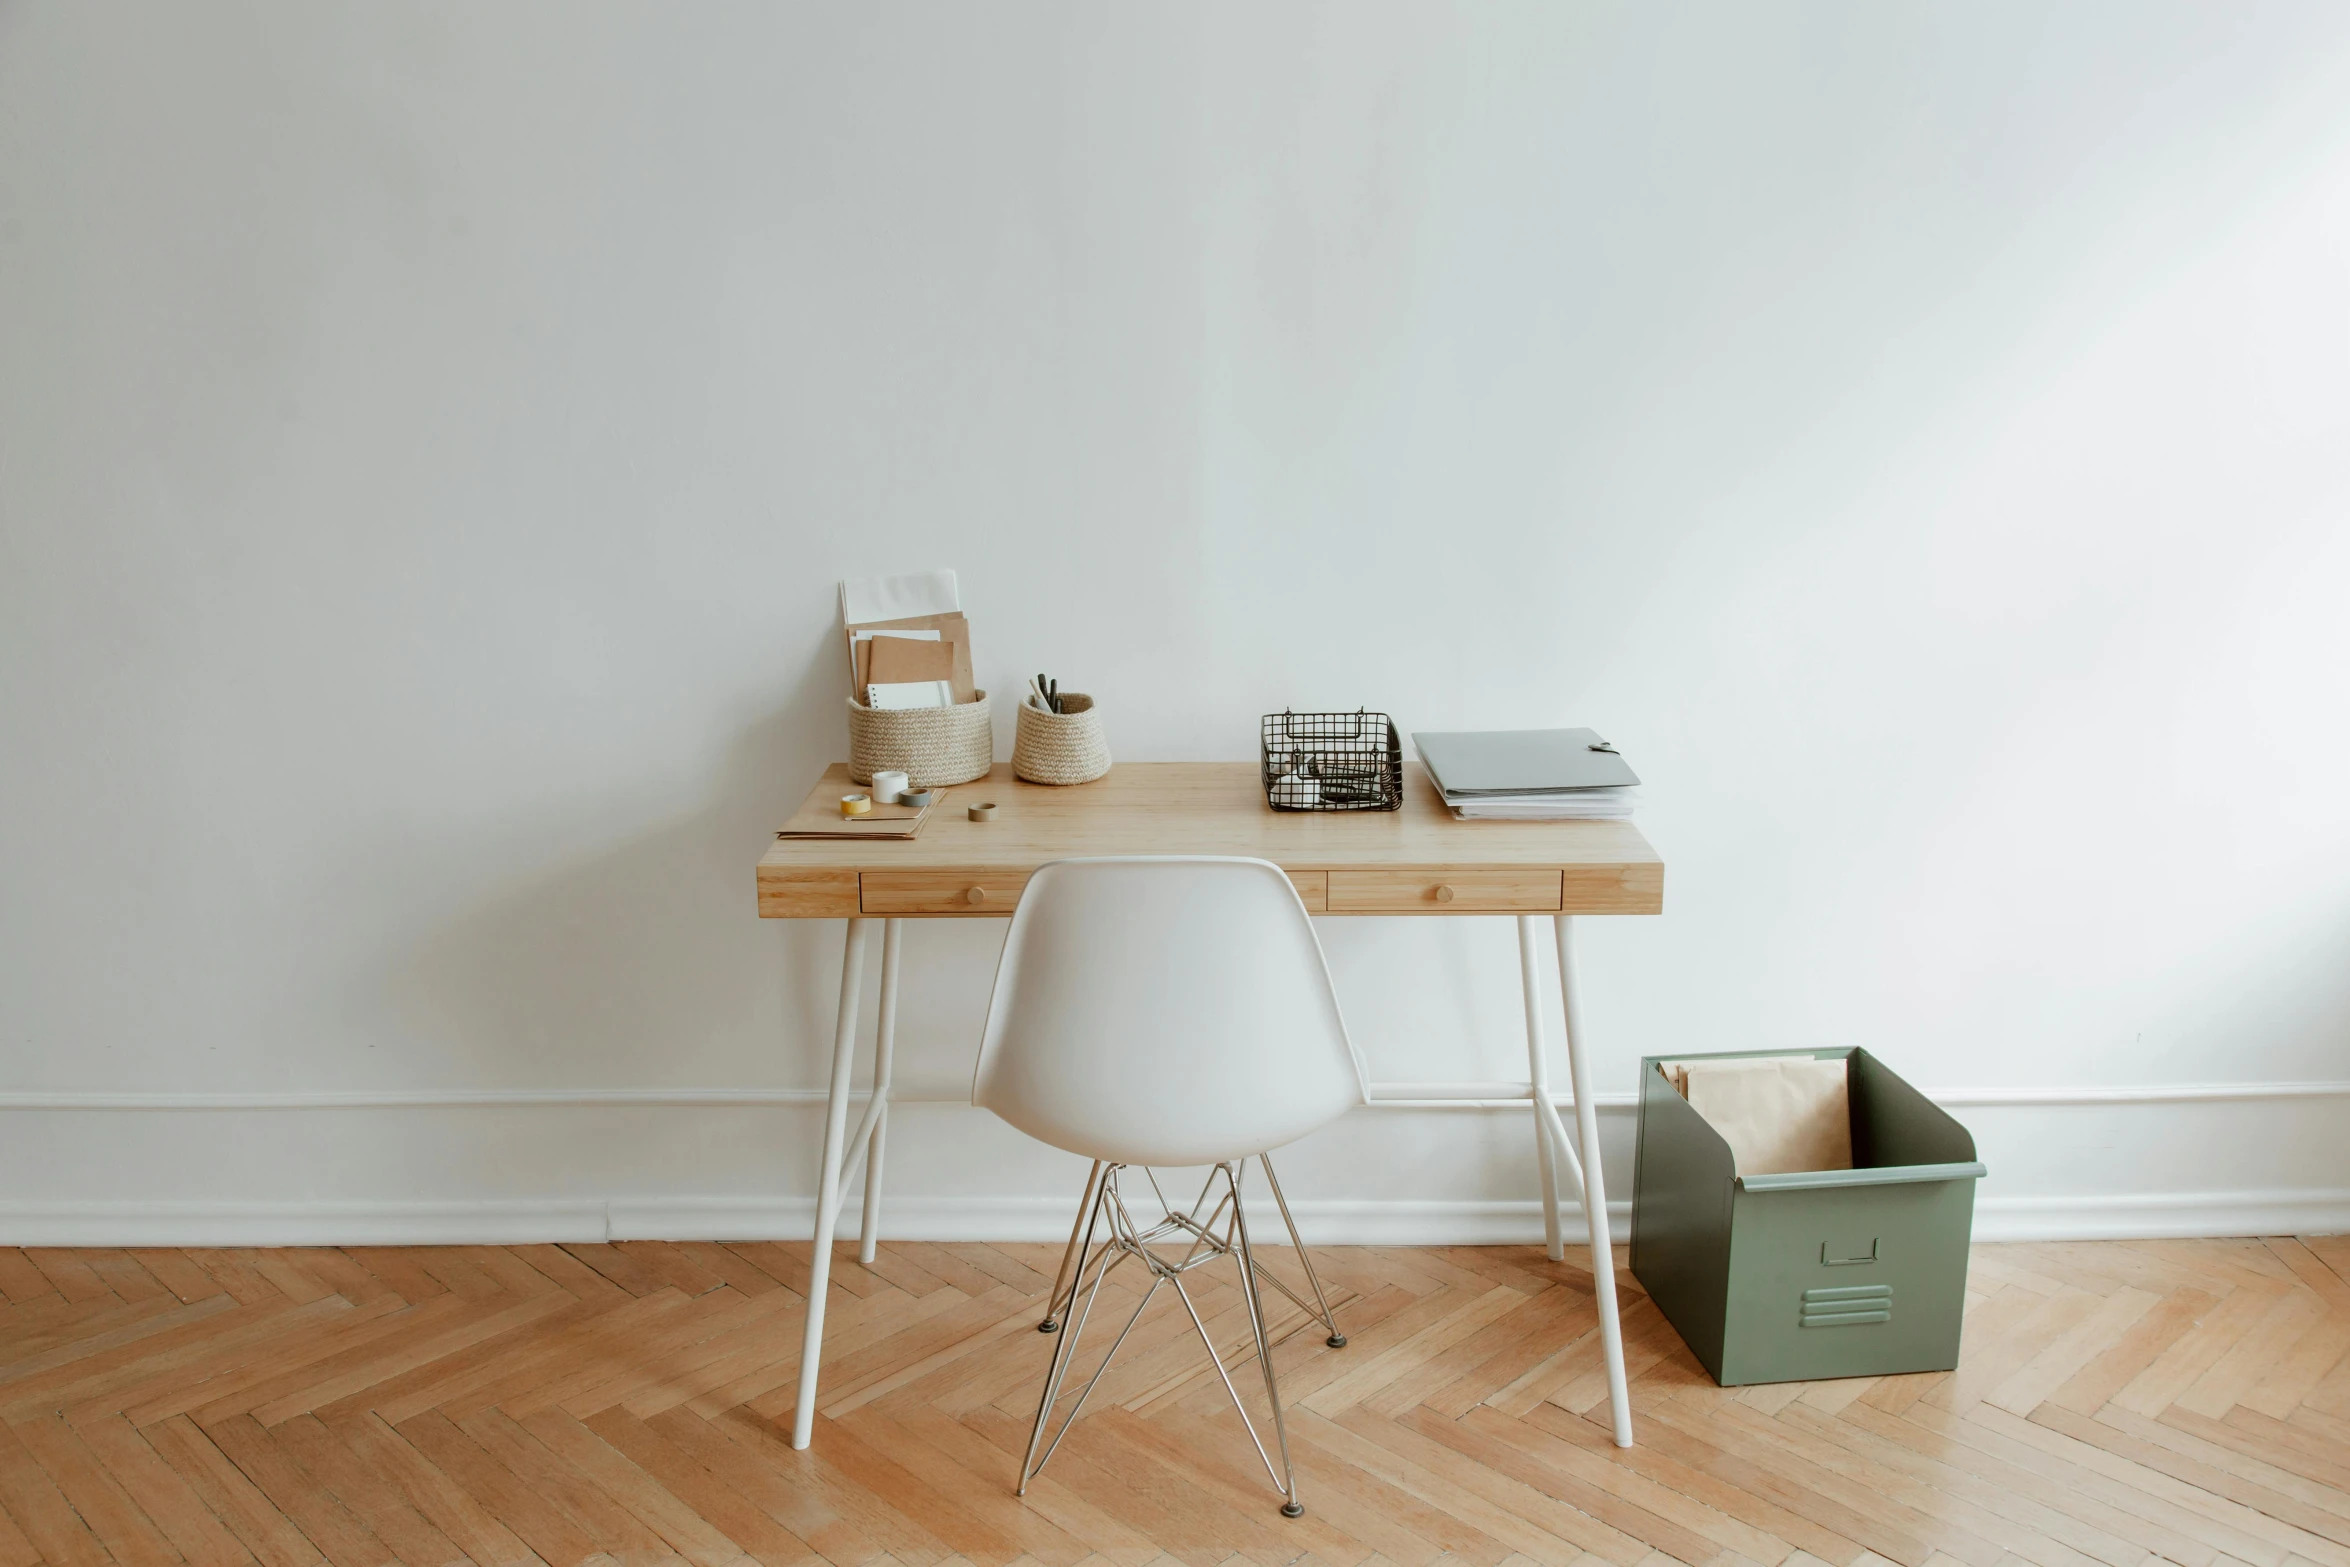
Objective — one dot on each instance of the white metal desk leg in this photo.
(885, 1040)
(1603, 1261)
(836, 1131)
(1538, 1067)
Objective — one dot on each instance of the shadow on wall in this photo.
(642, 961)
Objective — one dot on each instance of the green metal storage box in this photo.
(1830, 1273)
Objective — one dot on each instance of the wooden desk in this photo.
(1416, 861)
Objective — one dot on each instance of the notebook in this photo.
(1471, 763)
(907, 670)
(819, 817)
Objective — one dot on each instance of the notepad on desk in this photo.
(821, 818)
(1529, 774)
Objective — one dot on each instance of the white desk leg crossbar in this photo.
(837, 1145)
(1593, 1182)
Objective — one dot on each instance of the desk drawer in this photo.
(941, 892)
(1442, 892)
(1313, 889)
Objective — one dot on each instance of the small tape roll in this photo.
(855, 804)
(888, 786)
(917, 797)
(982, 813)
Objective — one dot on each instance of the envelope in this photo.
(1777, 1113)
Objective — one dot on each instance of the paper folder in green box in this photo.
(1825, 1273)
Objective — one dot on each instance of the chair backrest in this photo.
(1164, 1010)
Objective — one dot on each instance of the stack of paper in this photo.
(909, 645)
(1529, 775)
(1610, 805)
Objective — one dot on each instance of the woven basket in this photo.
(932, 746)
(1061, 748)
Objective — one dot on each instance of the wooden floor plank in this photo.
(40, 1511)
(20, 1282)
(237, 1275)
(537, 1522)
(808, 1491)
(273, 1537)
(251, 1345)
(342, 1538)
(2030, 1485)
(659, 1509)
(120, 1523)
(451, 1508)
(399, 1269)
(15, 1549)
(544, 1406)
(753, 1529)
(70, 1275)
(177, 1274)
(154, 1329)
(613, 1527)
(373, 1499)
(300, 1337)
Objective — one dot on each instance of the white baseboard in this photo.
(2178, 1215)
(1385, 1096)
(2273, 1155)
(1336, 1223)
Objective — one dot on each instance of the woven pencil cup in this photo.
(930, 745)
(1061, 748)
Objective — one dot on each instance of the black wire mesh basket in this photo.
(1332, 761)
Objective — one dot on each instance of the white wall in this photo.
(429, 435)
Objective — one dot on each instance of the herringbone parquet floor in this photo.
(2118, 1403)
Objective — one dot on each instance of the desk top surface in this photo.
(1218, 808)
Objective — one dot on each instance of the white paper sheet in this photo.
(865, 599)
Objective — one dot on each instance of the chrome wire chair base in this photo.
(1065, 1285)
(1106, 1236)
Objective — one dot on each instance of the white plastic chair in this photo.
(1171, 1011)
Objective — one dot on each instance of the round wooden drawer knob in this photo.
(975, 895)
(1444, 894)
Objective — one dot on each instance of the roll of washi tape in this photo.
(888, 786)
(982, 813)
(917, 797)
(855, 804)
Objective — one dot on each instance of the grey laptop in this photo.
(1520, 761)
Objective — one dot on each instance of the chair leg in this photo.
(1336, 1340)
(1065, 1281)
(1104, 1216)
(1116, 1247)
(1234, 1244)
(1065, 1347)
(1291, 1507)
